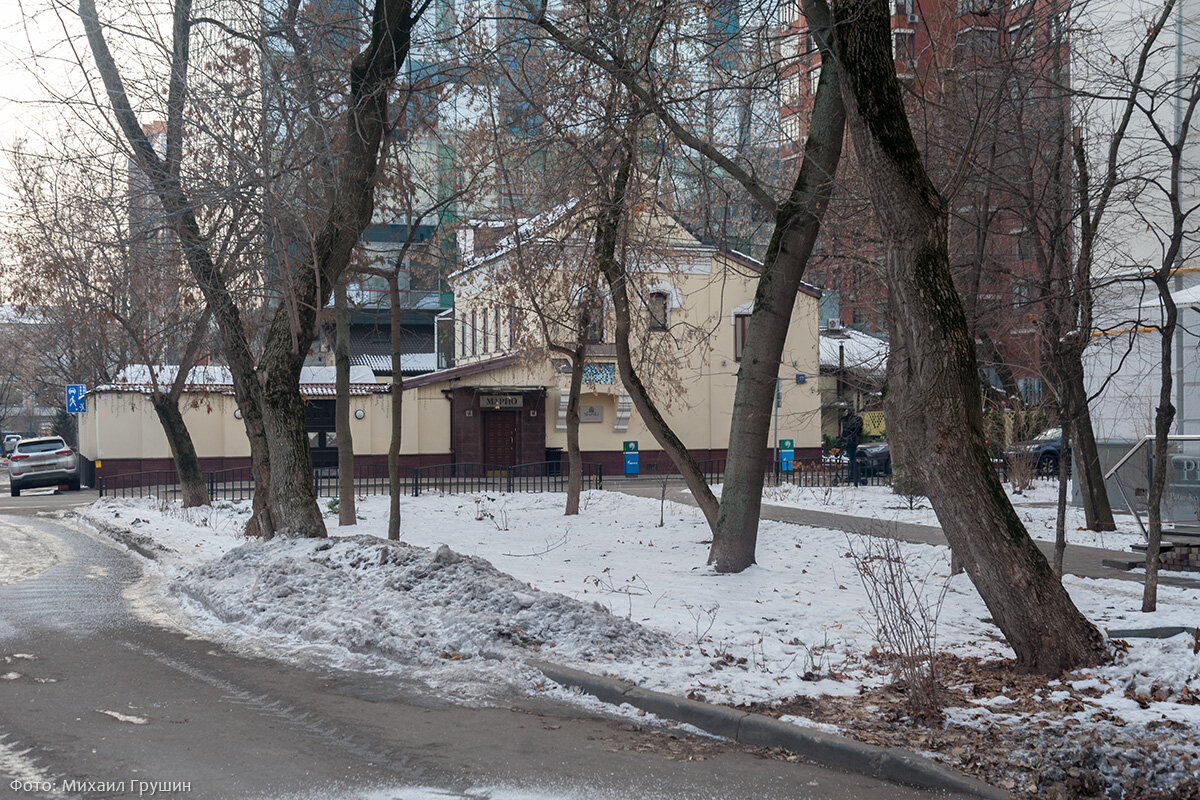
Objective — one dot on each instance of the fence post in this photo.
(510, 480)
(416, 482)
(100, 483)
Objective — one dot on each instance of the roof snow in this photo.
(221, 376)
(853, 350)
(410, 363)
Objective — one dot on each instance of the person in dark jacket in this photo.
(852, 426)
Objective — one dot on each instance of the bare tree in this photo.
(933, 393)
(268, 395)
(78, 248)
(797, 222)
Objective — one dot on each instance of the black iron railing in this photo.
(369, 479)
(161, 483)
(539, 476)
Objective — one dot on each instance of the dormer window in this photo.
(595, 324)
(659, 304)
(741, 324)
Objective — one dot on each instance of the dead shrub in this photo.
(905, 607)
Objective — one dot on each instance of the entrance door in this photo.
(500, 438)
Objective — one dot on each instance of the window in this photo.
(512, 331)
(904, 45)
(791, 129)
(814, 78)
(474, 329)
(485, 331)
(789, 45)
(595, 327)
(497, 329)
(659, 304)
(980, 7)
(462, 339)
(741, 324)
(790, 89)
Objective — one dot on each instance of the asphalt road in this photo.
(99, 701)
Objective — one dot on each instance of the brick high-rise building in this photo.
(984, 84)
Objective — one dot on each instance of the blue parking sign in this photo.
(76, 402)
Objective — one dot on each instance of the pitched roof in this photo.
(756, 265)
(466, 370)
(854, 350)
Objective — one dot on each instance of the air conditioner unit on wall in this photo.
(833, 324)
(913, 19)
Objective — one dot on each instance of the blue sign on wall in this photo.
(787, 455)
(76, 402)
(631, 458)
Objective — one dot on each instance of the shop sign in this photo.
(501, 401)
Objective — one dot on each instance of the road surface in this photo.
(101, 697)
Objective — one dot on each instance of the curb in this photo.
(756, 730)
(1164, 632)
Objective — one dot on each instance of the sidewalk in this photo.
(1085, 562)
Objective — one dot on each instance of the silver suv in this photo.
(46, 461)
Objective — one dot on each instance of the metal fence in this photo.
(814, 473)
(369, 479)
(540, 476)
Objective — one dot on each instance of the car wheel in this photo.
(73, 485)
(1047, 465)
(15, 490)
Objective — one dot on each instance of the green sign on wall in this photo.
(631, 447)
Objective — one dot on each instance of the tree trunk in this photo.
(1060, 520)
(345, 442)
(273, 411)
(607, 230)
(1085, 456)
(394, 481)
(574, 457)
(933, 393)
(179, 210)
(797, 224)
(191, 479)
(1164, 417)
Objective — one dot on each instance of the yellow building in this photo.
(504, 401)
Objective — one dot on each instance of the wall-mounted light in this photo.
(359, 413)
(237, 413)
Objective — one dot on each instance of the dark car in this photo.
(874, 458)
(1042, 452)
(46, 461)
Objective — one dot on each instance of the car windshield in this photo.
(1050, 435)
(42, 446)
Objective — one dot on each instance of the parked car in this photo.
(45, 461)
(874, 458)
(1042, 452)
(10, 441)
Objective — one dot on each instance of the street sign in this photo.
(787, 455)
(631, 458)
(76, 402)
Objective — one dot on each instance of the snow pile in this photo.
(409, 604)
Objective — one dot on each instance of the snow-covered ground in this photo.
(480, 581)
(1036, 506)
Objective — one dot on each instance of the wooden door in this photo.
(500, 438)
